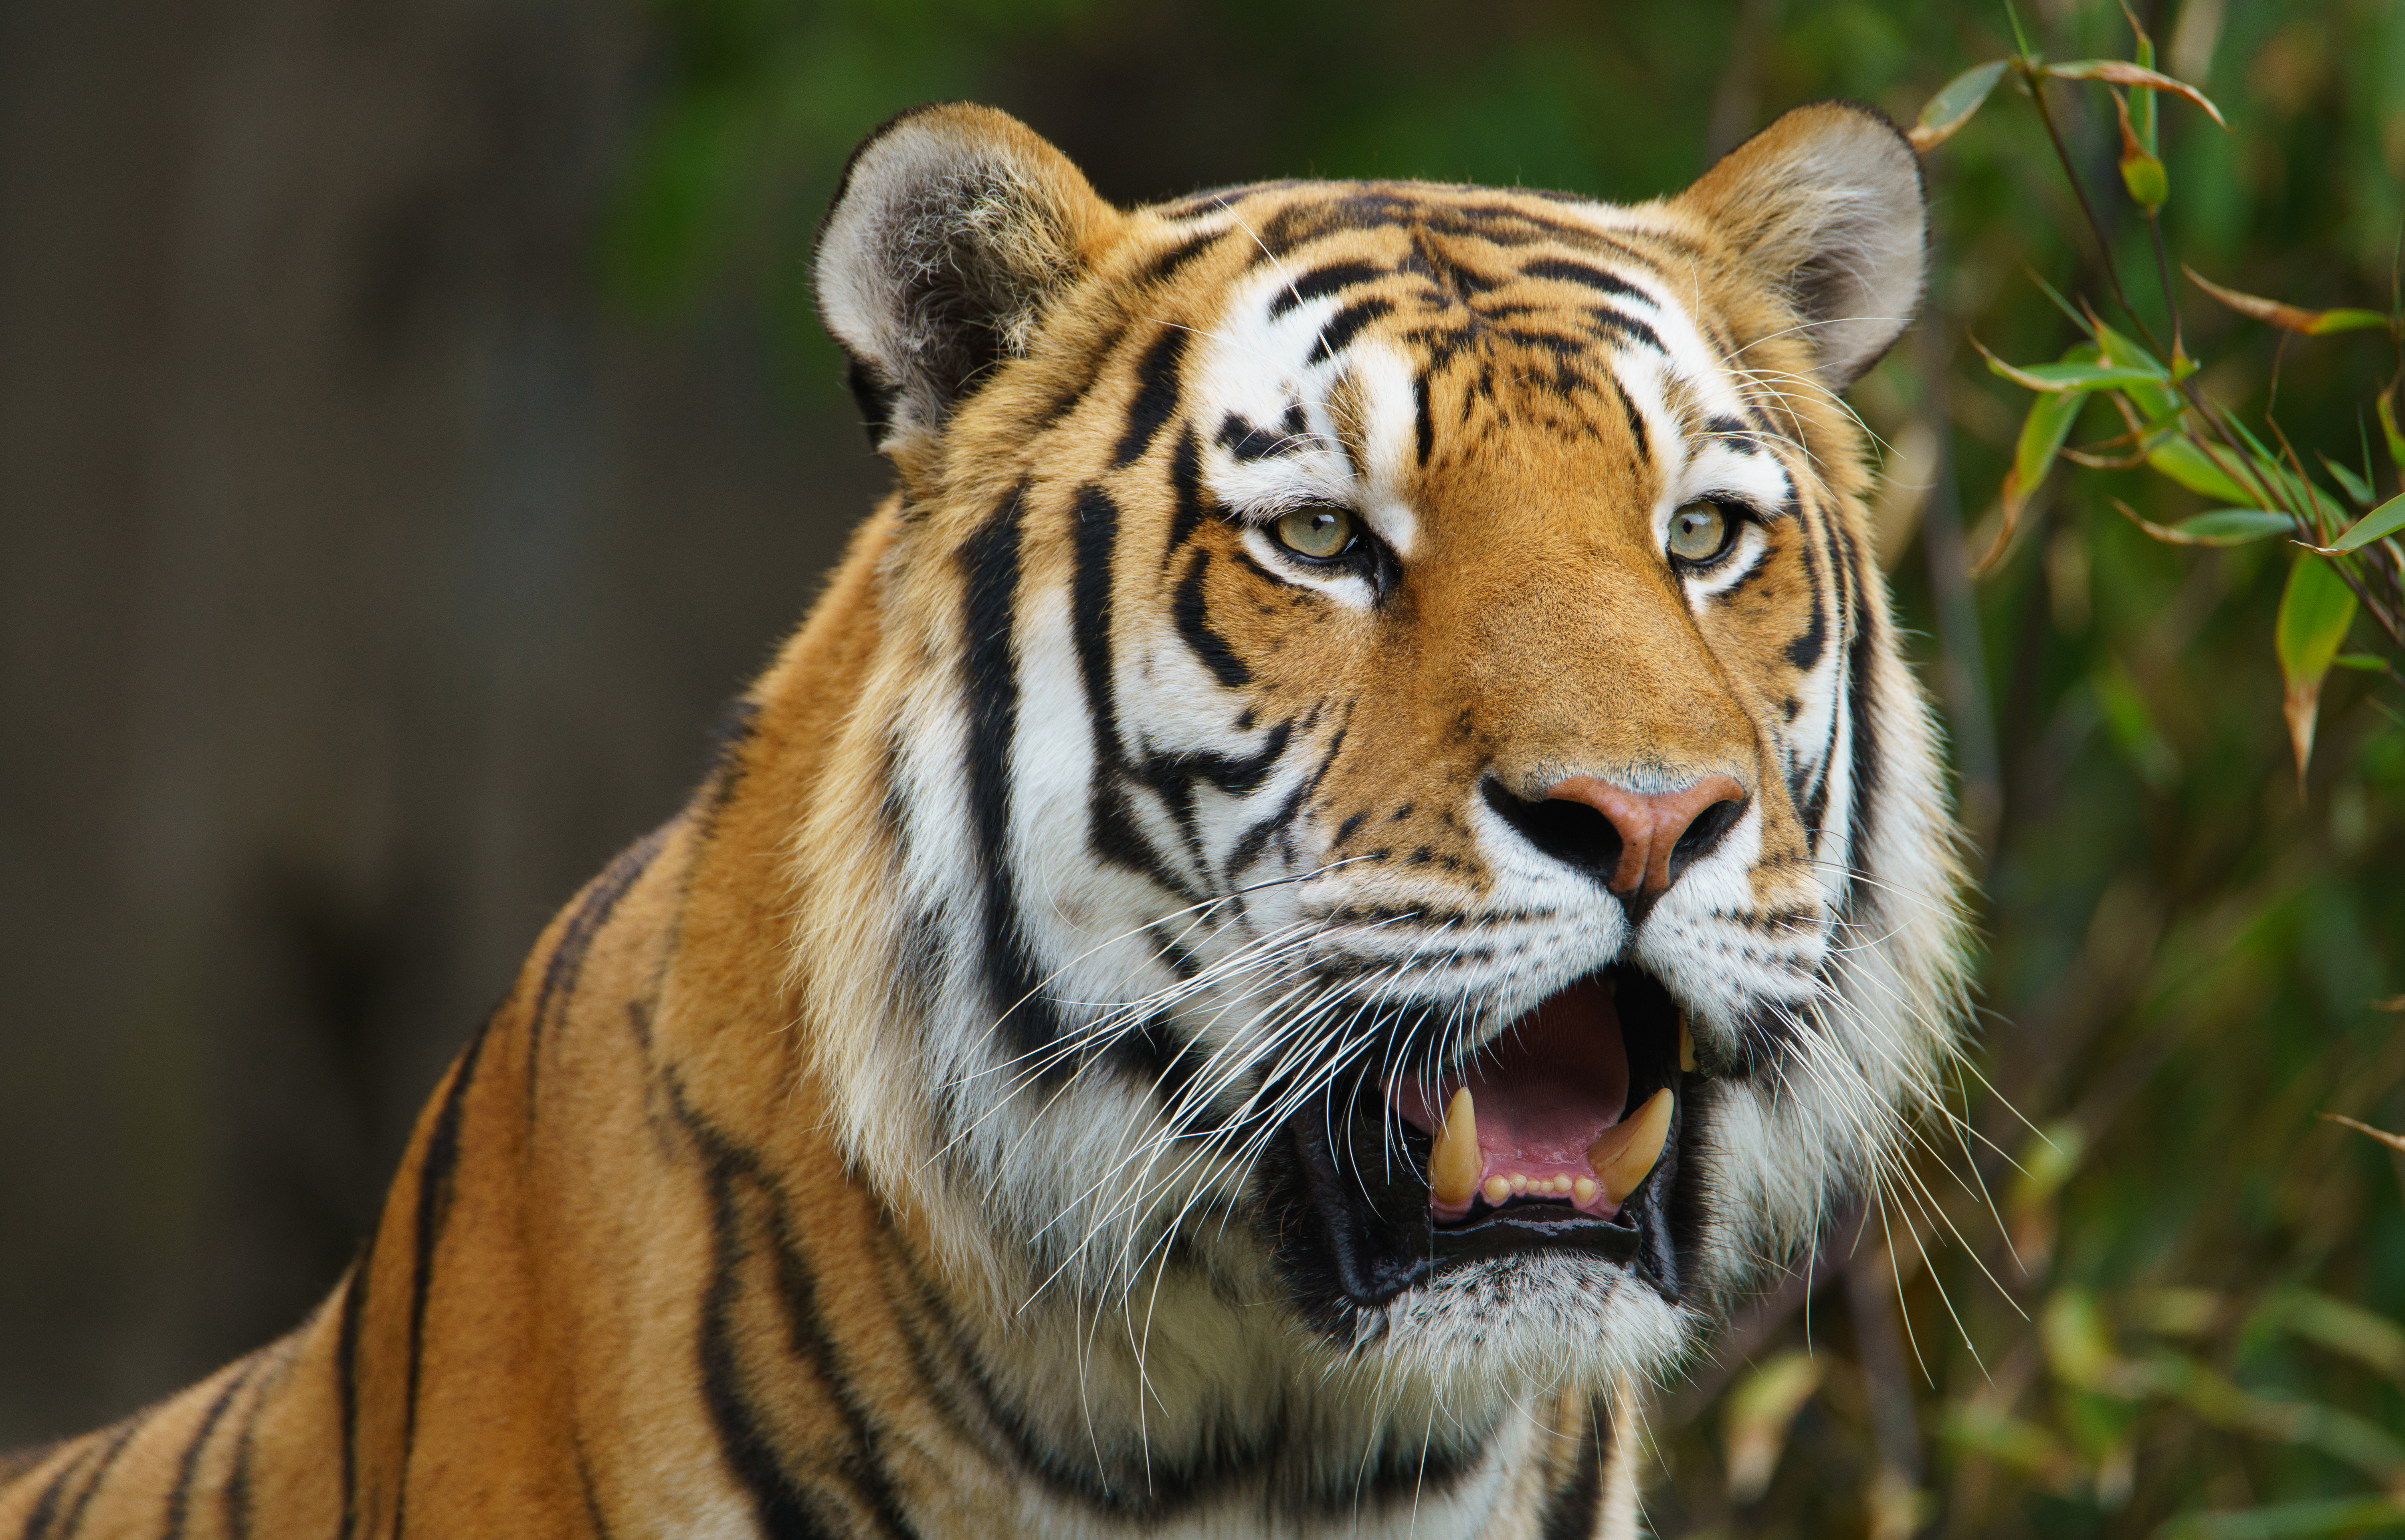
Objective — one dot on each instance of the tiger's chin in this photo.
(1528, 1214)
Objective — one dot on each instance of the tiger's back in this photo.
(958, 1118)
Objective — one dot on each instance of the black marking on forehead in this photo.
(1732, 434)
(1568, 272)
(1427, 423)
(1475, 214)
(1156, 395)
(1248, 440)
(1345, 325)
(1321, 282)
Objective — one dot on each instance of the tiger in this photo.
(1346, 859)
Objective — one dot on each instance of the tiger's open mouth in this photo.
(1562, 1134)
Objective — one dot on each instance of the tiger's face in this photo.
(1387, 787)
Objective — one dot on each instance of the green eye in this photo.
(1322, 532)
(1700, 531)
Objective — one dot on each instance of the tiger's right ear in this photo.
(953, 229)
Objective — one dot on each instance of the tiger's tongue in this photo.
(1544, 1090)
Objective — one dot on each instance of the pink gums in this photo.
(1544, 1090)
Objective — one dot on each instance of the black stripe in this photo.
(1185, 481)
(1111, 832)
(179, 1497)
(1194, 625)
(1345, 325)
(346, 1382)
(1583, 273)
(1570, 1511)
(436, 1175)
(989, 681)
(593, 1514)
(1253, 840)
(782, 1506)
(565, 963)
(1176, 256)
(1635, 420)
(1156, 395)
(1322, 282)
(1420, 410)
(1620, 323)
(1805, 650)
(46, 1507)
(108, 1455)
(1866, 744)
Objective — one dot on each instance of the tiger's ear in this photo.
(1827, 204)
(953, 228)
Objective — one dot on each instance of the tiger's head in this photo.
(1385, 813)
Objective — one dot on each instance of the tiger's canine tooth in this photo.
(1624, 1152)
(1686, 1045)
(1453, 1164)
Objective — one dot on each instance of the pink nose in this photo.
(1651, 823)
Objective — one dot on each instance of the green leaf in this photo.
(2357, 487)
(2235, 525)
(2120, 72)
(2331, 321)
(2043, 431)
(2077, 377)
(2183, 461)
(2362, 663)
(1954, 104)
(2381, 522)
(2315, 609)
(2321, 1516)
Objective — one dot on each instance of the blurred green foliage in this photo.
(2146, 1290)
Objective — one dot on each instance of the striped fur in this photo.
(906, 1139)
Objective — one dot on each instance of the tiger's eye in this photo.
(1320, 533)
(1699, 531)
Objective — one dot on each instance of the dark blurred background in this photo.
(412, 428)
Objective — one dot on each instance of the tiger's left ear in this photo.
(954, 229)
(1827, 204)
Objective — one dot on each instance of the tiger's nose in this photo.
(1660, 831)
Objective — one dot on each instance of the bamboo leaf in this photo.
(2120, 72)
(2381, 522)
(2235, 525)
(2288, 317)
(1954, 104)
(2315, 609)
(2043, 431)
(2072, 377)
(2183, 462)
